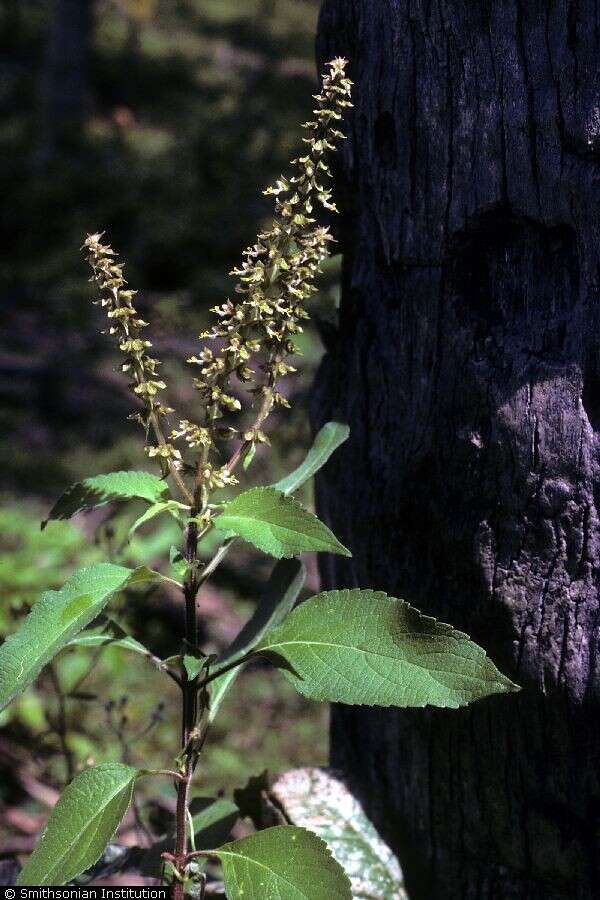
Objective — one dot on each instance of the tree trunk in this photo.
(466, 365)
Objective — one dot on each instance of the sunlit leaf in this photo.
(363, 647)
(108, 632)
(283, 862)
(325, 443)
(276, 524)
(101, 489)
(193, 665)
(173, 507)
(81, 824)
(56, 618)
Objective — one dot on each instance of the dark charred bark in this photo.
(467, 367)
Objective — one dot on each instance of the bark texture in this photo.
(466, 365)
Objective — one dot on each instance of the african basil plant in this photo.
(341, 646)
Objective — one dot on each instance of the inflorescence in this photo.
(255, 333)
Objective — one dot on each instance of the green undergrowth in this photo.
(253, 731)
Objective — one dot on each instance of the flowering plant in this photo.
(349, 646)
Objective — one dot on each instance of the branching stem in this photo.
(160, 439)
(190, 695)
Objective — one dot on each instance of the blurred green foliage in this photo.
(123, 708)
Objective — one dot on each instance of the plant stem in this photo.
(60, 726)
(183, 792)
(172, 467)
(189, 709)
(239, 661)
(215, 561)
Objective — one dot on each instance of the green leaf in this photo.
(101, 489)
(318, 800)
(282, 862)
(56, 618)
(326, 442)
(193, 665)
(219, 689)
(279, 596)
(212, 821)
(81, 824)
(249, 456)
(364, 647)
(142, 574)
(277, 601)
(171, 506)
(108, 633)
(276, 524)
(175, 555)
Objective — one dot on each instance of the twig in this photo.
(60, 726)
(93, 663)
(227, 668)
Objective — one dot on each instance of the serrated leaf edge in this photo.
(110, 499)
(289, 499)
(324, 846)
(449, 631)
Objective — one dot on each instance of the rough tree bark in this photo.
(467, 367)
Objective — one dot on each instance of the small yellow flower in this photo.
(274, 280)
